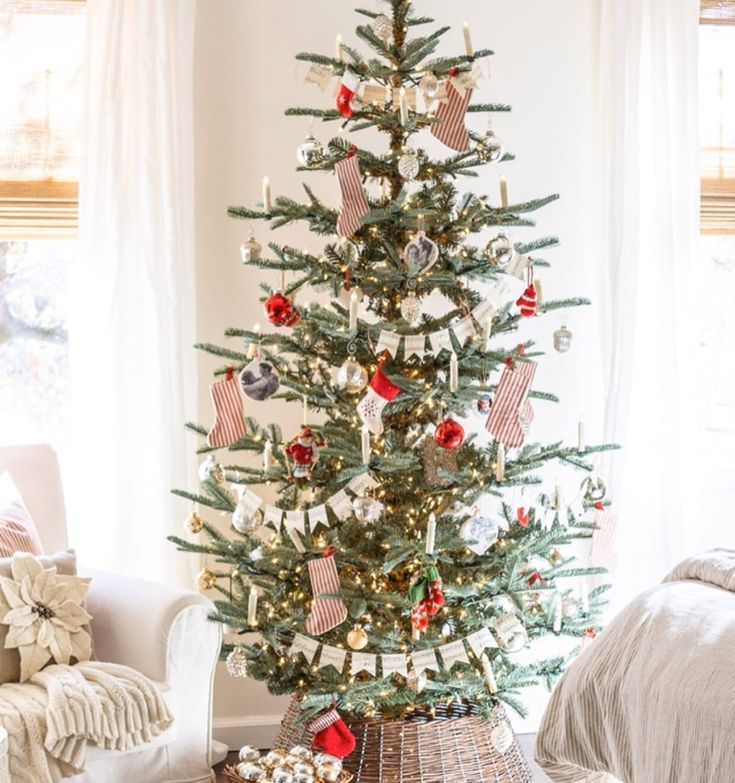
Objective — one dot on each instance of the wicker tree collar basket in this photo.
(457, 745)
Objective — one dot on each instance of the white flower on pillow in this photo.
(45, 613)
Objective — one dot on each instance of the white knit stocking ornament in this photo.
(380, 392)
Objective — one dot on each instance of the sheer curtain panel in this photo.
(133, 308)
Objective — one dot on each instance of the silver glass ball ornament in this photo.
(329, 772)
(237, 665)
(429, 85)
(408, 164)
(562, 339)
(249, 753)
(282, 775)
(253, 773)
(303, 777)
(326, 758)
(512, 634)
(310, 152)
(275, 758)
(593, 489)
(490, 149)
(367, 510)
(383, 28)
(499, 250)
(244, 520)
(301, 753)
(211, 470)
(302, 767)
(411, 308)
(352, 376)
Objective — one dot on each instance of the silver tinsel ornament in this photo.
(490, 149)
(411, 308)
(244, 520)
(237, 663)
(367, 510)
(352, 376)
(429, 85)
(310, 152)
(499, 250)
(383, 29)
(562, 339)
(408, 164)
(211, 470)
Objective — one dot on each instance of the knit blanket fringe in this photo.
(51, 718)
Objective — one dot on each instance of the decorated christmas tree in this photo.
(357, 569)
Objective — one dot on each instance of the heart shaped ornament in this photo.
(479, 533)
(421, 253)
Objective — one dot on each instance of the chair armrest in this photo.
(152, 628)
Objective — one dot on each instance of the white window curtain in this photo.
(648, 93)
(133, 303)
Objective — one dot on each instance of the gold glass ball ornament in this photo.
(352, 376)
(499, 250)
(251, 249)
(408, 164)
(282, 775)
(329, 772)
(367, 510)
(562, 339)
(253, 773)
(310, 152)
(501, 737)
(411, 308)
(236, 664)
(383, 29)
(194, 523)
(326, 758)
(357, 638)
(206, 580)
(249, 753)
(429, 85)
(211, 470)
(244, 519)
(490, 149)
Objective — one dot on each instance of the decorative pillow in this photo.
(42, 614)
(17, 531)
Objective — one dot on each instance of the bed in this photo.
(652, 700)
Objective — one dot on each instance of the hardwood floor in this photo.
(526, 741)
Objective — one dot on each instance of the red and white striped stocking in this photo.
(510, 410)
(229, 422)
(327, 613)
(354, 203)
(451, 129)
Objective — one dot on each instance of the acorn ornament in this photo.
(562, 339)
(429, 85)
(357, 638)
(408, 164)
(280, 310)
(411, 308)
(383, 29)
(251, 249)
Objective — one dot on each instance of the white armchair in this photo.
(160, 631)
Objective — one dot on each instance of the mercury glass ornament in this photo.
(329, 773)
(562, 339)
(302, 777)
(501, 737)
(357, 638)
(594, 489)
(301, 752)
(275, 757)
(367, 510)
(416, 682)
(211, 470)
(206, 580)
(352, 376)
(411, 308)
(490, 149)
(245, 520)
(194, 523)
(499, 250)
(383, 28)
(237, 667)
(326, 758)
(429, 85)
(310, 152)
(301, 767)
(249, 753)
(281, 775)
(250, 772)
(250, 250)
(408, 164)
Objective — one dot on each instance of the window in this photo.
(41, 48)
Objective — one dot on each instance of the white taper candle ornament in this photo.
(338, 45)
(487, 329)
(467, 40)
(584, 595)
(267, 456)
(580, 435)
(415, 635)
(430, 534)
(267, 203)
(557, 613)
(503, 192)
(294, 536)
(253, 606)
(354, 302)
(453, 373)
(365, 444)
(487, 669)
(253, 347)
(500, 463)
(306, 410)
(403, 106)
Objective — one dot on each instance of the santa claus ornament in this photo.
(303, 450)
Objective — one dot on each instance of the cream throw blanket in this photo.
(50, 718)
(653, 699)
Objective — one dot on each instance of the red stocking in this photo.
(332, 735)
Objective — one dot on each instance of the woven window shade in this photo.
(717, 12)
(717, 121)
(41, 48)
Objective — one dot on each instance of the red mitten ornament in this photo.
(435, 597)
(427, 598)
(347, 90)
(332, 735)
(527, 300)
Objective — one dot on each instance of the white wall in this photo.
(245, 76)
